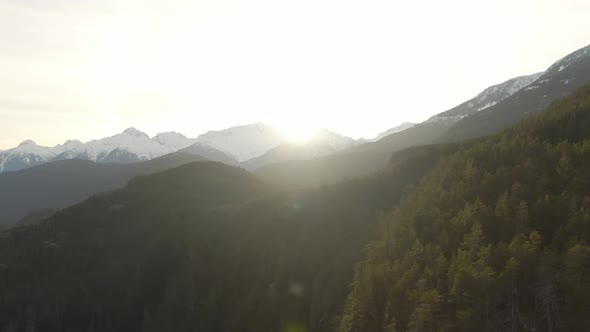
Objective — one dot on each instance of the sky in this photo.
(87, 69)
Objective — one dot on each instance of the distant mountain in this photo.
(430, 131)
(486, 99)
(370, 157)
(26, 154)
(210, 153)
(323, 143)
(174, 140)
(495, 108)
(68, 145)
(561, 79)
(228, 146)
(394, 130)
(119, 156)
(58, 184)
(129, 146)
(244, 142)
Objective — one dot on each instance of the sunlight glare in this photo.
(298, 134)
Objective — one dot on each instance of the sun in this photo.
(299, 134)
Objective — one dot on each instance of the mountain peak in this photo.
(169, 134)
(27, 142)
(134, 132)
(244, 142)
(174, 140)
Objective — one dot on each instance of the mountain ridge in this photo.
(31, 189)
(133, 145)
(457, 124)
(322, 143)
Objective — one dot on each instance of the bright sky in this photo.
(88, 69)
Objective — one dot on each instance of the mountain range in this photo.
(561, 79)
(259, 146)
(324, 142)
(326, 158)
(253, 146)
(230, 146)
(486, 235)
(494, 109)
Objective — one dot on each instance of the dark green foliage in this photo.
(495, 238)
(204, 247)
(490, 235)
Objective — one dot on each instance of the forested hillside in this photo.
(495, 238)
(490, 235)
(62, 183)
(204, 247)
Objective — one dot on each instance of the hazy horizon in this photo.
(89, 70)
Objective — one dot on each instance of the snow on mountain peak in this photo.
(30, 147)
(131, 141)
(27, 142)
(26, 154)
(68, 145)
(72, 142)
(134, 132)
(485, 99)
(244, 142)
(174, 140)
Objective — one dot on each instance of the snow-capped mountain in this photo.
(244, 142)
(228, 146)
(26, 154)
(68, 145)
(174, 140)
(402, 127)
(431, 130)
(129, 146)
(487, 98)
(561, 79)
(324, 142)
